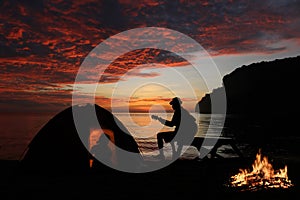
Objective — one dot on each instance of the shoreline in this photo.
(182, 178)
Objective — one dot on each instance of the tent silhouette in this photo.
(60, 147)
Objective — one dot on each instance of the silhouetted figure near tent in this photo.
(185, 128)
(101, 151)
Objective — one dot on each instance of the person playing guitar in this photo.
(182, 120)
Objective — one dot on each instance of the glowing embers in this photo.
(262, 176)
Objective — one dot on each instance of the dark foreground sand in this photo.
(182, 179)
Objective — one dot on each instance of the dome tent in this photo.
(58, 147)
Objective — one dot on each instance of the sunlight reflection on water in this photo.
(14, 138)
(148, 145)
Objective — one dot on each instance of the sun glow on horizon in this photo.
(141, 94)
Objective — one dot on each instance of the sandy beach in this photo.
(181, 179)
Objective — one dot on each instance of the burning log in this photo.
(262, 176)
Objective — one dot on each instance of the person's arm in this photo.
(161, 120)
(169, 123)
(174, 122)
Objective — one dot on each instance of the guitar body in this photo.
(154, 117)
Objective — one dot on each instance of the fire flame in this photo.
(262, 176)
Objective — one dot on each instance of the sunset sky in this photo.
(43, 44)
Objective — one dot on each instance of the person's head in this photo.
(176, 103)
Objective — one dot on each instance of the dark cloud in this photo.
(44, 42)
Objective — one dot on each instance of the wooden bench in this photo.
(217, 141)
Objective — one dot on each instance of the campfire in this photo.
(262, 176)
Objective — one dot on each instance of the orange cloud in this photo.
(43, 44)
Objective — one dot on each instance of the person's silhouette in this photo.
(185, 128)
(101, 150)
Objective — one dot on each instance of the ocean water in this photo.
(17, 130)
(144, 131)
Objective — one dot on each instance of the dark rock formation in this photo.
(263, 94)
(265, 87)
